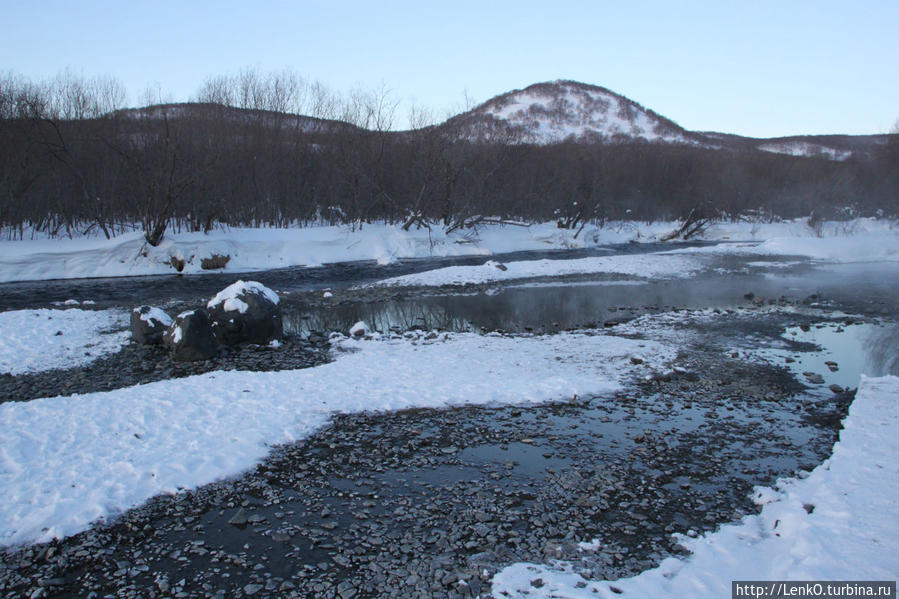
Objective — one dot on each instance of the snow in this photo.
(37, 340)
(261, 249)
(642, 265)
(230, 296)
(67, 461)
(804, 148)
(154, 315)
(870, 247)
(568, 110)
(359, 329)
(849, 534)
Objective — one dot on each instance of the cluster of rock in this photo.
(245, 312)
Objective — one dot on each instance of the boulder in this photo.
(190, 337)
(246, 312)
(360, 329)
(148, 325)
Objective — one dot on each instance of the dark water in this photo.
(126, 291)
(865, 289)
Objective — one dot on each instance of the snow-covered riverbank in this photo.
(246, 250)
(66, 461)
(838, 523)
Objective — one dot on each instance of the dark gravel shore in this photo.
(431, 503)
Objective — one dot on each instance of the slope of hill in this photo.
(547, 113)
(232, 114)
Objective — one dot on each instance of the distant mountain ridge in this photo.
(550, 113)
(559, 111)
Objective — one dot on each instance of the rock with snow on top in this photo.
(190, 337)
(246, 312)
(148, 324)
(360, 329)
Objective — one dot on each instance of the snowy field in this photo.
(36, 340)
(260, 249)
(67, 461)
(838, 523)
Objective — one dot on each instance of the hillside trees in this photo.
(72, 159)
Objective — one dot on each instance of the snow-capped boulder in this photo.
(190, 337)
(360, 329)
(246, 312)
(148, 325)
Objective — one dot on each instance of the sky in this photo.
(762, 68)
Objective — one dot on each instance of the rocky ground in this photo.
(138, 364)
(429, 503)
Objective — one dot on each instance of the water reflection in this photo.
(846, 352)
(382, 316)
(537, 308)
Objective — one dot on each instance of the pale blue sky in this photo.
(754, 67)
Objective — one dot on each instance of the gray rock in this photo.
(246, 312)
(190, 338)
(148, 324)
(239, 519)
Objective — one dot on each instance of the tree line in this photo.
(256, 149)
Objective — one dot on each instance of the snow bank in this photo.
(870, 247)
(262, 249)
(797, 227)
(838, 523)
(67, 461)
(642, 265)
(36, 340)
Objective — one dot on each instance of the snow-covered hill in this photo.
(543, 113)
(557, 111)
(547, 113)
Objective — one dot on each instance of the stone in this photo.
(360, 329)
(246, 312)
(148, 325)
(814, 378)
(238, 519)
(190, 337)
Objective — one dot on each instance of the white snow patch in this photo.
(154, 314)
(229, 296)
(359, 329)
(870, 247)
(67, 461)
(29, 341)
(641, 265)
(838, 523)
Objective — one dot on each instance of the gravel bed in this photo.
(431, 503)
(137, 364)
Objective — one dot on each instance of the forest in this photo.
(267, 150)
